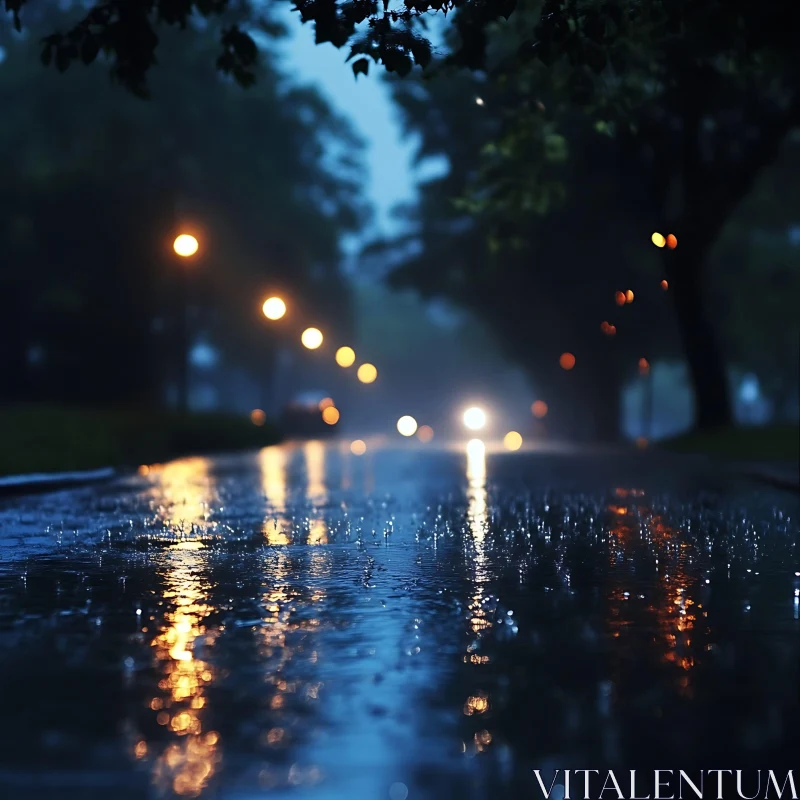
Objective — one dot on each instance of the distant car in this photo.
(303, 416)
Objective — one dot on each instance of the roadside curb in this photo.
(52, 481)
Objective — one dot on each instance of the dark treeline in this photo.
(95, 186)
(546, 211)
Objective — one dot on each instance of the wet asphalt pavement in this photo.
(420, 623)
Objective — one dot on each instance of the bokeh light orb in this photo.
(475, 449)
(407, 426)
(512, 440)
(185, 245)
(665, 285)
(367, 373)
(330, 415)
(567, 361)
(672, 241)
(658, 240)
(258, 417)
(358, 447)
(345, 356)
(539, 409)
(326, 402)
(311, 338)
(274, 308)
(425, 433)
(620, 299)
(475, 418)
(629, 296)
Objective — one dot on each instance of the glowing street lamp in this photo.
(311, 338)
(330, 415)
(407, 426)
(274, 308)
(185, 245)
(475, 418)
(345, 357)
(367, 373)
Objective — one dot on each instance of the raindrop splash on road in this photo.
(419, 623)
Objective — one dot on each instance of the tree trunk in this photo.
(600, 394)
(703, 352)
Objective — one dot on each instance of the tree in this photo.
(90, 213)
(706, 89)
(547, 285)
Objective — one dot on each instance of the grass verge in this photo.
(56, 439)
(769, 443)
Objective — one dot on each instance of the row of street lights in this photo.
(274, 309)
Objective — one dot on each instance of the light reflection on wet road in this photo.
(304, 622)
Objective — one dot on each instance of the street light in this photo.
(274, 308)
(367, 373)
(330, 415)
(185, 246)
(345, 357)
(407, 426)
(475, 418)
(311, 338)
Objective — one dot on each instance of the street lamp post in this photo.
(184, 246)
(274, 309)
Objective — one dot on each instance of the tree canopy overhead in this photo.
(596, 36)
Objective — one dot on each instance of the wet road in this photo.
(425, 623)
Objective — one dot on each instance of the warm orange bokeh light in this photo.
(311, 338)
(665, 285)
(358, 447)
(567, 361)
(644, 366)
(367, 373)
(258, 417)
(345, 356)
(425, 433)
(629, 296)
(274, 308)
(326, 402)
(620, 298)
(608, 329)
(672, 241)
(330, 415)
(185, 245)
(539, 408)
